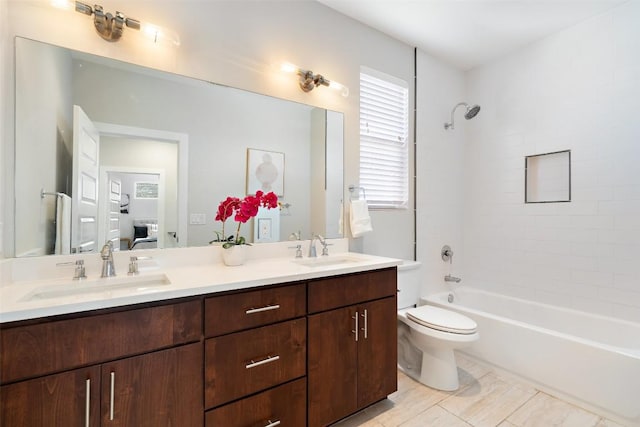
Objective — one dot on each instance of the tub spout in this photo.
(450, 278)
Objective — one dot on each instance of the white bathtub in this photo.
(590, 359)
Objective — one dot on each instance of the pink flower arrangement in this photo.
(242, 211)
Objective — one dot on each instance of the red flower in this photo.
(226, 208)
(270, 200)
(243, 210)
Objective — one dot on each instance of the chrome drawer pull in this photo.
(261, 309)
(87, 404)
(273, 423)
(365, 329)
(269, 359)
(356, 330)
(113, 384)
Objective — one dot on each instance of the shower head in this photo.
(472, 111)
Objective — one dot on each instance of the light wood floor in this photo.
(484, 399)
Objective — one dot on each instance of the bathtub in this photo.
(591, 360)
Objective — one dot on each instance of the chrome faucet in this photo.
(108, 269)
(312, 245)
(450, 278)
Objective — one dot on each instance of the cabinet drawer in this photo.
(341, 291)
(286, 403)
(37, 349)
(236, 312)
(246, 362)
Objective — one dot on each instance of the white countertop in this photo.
(29, 299)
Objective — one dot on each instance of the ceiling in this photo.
(469, 33)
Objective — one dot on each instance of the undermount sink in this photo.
(327, 261)
(141, 284)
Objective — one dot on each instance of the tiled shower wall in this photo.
(577, 90)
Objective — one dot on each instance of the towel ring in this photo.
(44, 193)
(357, 190)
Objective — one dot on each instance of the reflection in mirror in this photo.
(548, 177)
(138, 125)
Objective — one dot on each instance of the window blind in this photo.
(384, 134)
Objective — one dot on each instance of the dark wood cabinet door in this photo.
(332, 370)
(377, 355)
(61, 400)
(159, 389)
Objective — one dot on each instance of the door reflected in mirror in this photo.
(192, 134)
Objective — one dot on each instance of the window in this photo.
(384, 145)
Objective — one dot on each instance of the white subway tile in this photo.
(593, 278)
(629, 282)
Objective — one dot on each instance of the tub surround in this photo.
(190, 271)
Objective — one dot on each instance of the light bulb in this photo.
(159, 34)
(288, 67)
(339, 87)
(63, 4)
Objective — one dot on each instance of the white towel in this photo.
(63, 224)
(360, 220)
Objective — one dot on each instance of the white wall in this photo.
(236, 43)
(577, 90)
(440, 169)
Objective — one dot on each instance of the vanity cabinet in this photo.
(295, 354)
(139, 367)
(352, 341)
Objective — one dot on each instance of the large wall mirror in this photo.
(107, 150)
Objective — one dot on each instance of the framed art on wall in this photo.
(265, 171)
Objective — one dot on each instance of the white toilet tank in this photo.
(408, 284)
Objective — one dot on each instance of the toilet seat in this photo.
(442, 320)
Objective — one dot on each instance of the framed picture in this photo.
(265, 171)
(146, 190)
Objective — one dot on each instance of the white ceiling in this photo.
(469, 33)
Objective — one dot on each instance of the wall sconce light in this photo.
(309, 81)
(110, 27)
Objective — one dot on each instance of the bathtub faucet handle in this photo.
(447, 254)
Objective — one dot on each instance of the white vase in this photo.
(235, 255)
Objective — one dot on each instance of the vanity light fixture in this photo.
(110, 27)
(309, 80)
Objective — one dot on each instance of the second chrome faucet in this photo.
(108, 268)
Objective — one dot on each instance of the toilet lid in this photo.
(442, 320)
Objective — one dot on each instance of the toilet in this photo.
(427, 335)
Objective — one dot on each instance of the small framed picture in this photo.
(146, 190)
(265, 171)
